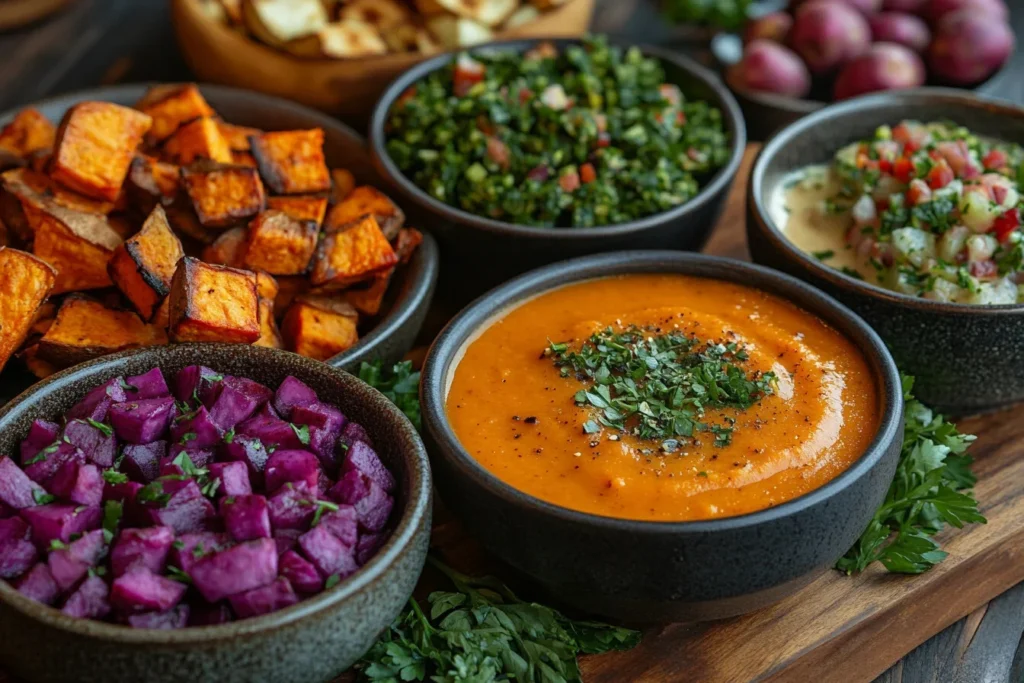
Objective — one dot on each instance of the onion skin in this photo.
(936, 10)
(886, 66)
(769, 67)
(774, 27)
(904, 29)
(969, 47)
(827, 34)
(912, 6)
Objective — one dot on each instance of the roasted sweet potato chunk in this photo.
(279, 244)
(40, 368)
(223, 194)
(26, 281)
(143, 266)
(365, 200)
(320, 327)
(301, 208)
(183, 219)
(292, 161)
(28, 133)
(86, 329)
(78, 244)
(267, 289)
(95, 144)
(408, 240)
(213, 303)
(237, 136)
(151, 182)
(368, 300)
(227, 249)
(243, 159)
(288, 287)
(342, 184)
(23, 182)
(170, 108)
(266, 285)
(353, 253)
(198, 139)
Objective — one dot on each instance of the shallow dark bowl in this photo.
(641, 571)
(485, 252)
(965, 358)
(311, 641)
(412, 288)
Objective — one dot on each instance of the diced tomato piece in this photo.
(883, 253)
(918, 192)
(680, 118)
(885, 166)
(903, 169)
(995, 159)
(587, 173)
(940, 175)
(468, 72)
(604, 139)
(569, 182)
(524, 95)
(984, 269)
(497, 151)
(882, 204)
(1005, 224)
(406, 96)
(671, 94)
(911, 137)
(862, 160)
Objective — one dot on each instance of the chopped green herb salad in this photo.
(590, 136)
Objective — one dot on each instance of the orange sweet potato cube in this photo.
(408, 240)
(266, 285)
(301, 208)
(223, 194)
(320, 327)
(198, 139)
(292, 161)
(267, 289)
(368, 300)
(163, 314)
(95, 144)
(352, 253)
(226, 250)
(279, 244)
(288, 288)
(243, 159)
(365, 200)
(237, 136)
(28, 133)
(213, 303)
(78, 244)
(37, 366)
(31, 187)
(143, 266)
(170, 108)
(342, 184)
(26, 282)
(182, 218)
(151, 182)
(85, 329)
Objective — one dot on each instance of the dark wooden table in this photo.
(96, 42)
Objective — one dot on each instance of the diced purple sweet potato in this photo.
(200, 457)
(196, 429)
(203, 613)
(295, 466)
(146, 548)
(249, 450)
(323, 483)
(325, 424)
(271, 431)
(329, 555)
(140, 590)
(7, 511)
(362, 458)
(38, 584)
(352, 433)
(57, 521)
(292, 392)
(196, 382)
(267, 410)
(300, 573)
(17, 553)
(69, 564)
(261, 394)
(17, 491)
(90, 601)
(368, 545)
(287, 539)
(44, 467)
(147, 385)
(189, 548)
(171, 619)
(125, 492)
(233, 476)
(78, 482)
(373, 505)
(142, 421)
(99, 447)
(40, 435)
(246, 517)
(292, 507)
(343, 523)
(276, 595)
(186, 517)
(98, 401)
(14, 529)
(236, 569)
(233, 405)
(142, 461)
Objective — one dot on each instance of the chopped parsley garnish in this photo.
(57, 544)
(113, 510)
(229, 436)
(301, 432)
(41, 455)
(41, 497)
(153, 492)
(114, 477)
(105, 429)
(331, 581)
(321, 506)
(399, 383)
(846, 270)
(178, 575)
(186, 437)
(823, 255)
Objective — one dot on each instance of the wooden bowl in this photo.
(346, 87)
(17, 13)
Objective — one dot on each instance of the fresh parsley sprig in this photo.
(400, 384)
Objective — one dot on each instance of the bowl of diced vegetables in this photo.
(205, 512)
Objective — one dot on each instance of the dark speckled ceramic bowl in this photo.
(643, 571)
(966, 358)
(308, 642)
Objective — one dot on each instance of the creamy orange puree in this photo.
(516, 415)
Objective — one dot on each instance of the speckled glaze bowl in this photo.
(485, 252)
(966, 358)
(643, 571)
(305, 643)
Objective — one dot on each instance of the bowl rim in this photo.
(483, 311)
(418, 507)
(836, 278)
(719, 182)
(424, 267)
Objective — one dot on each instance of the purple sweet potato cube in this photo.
(287, 539)
(199, 457)
(14, 528)
(196, 381)
(330, 556)
(38, 584)
(98, 401)
(325, 424)
(373, 505)
(69, 564)
(142, 421)
(237, 569)
(142, 461)
(202, 613)
(249, 450)
(189, 548)
(233, 476)
(17, 553)
(300, 573)
(44, 466)
(147, 385)
(267, 410)
(140, 590)
(276, 595)
(288, 465)
(124, 493)
(90, 601)
(57, 521)
(99, 446)
(271, 431)
(368, 545)
(174, 618)
(343, 523)
(291, 393)
(292, 506)
(246, 517)
(353, 433)
(185, 517)
(262, 395)
(7, 511)
(362, 458)
(17, 491)
(40, 435)
(196, 430)
(78, 482)
(147, 547)
(236, 401)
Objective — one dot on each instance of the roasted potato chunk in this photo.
(198, 139)
(151, 182)
(342, 184)
(292, 161)
(85, 329)
(320, 327)
(237, 136)
(301, 208)
(223, 194)
(350, 38)
(26, 282)
(28, 133)
(365, 200)
(95, 144)
(213, 303)
(279, 244)
(489, 13)
(351, 254)
(143, 266)
(227, 249)
(78, 244)
(169, 109)
(368, 300)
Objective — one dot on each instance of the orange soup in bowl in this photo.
(662, 397)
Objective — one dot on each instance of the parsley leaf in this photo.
(331, 581)
(302, 432)
(57, 544)
(115, 477)
(113, 510)
(400, 384)
(823, 255)
(321, 506)
(106, 430)
(41, 497)
(153, 492)
(229, 436)
(178, 575)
